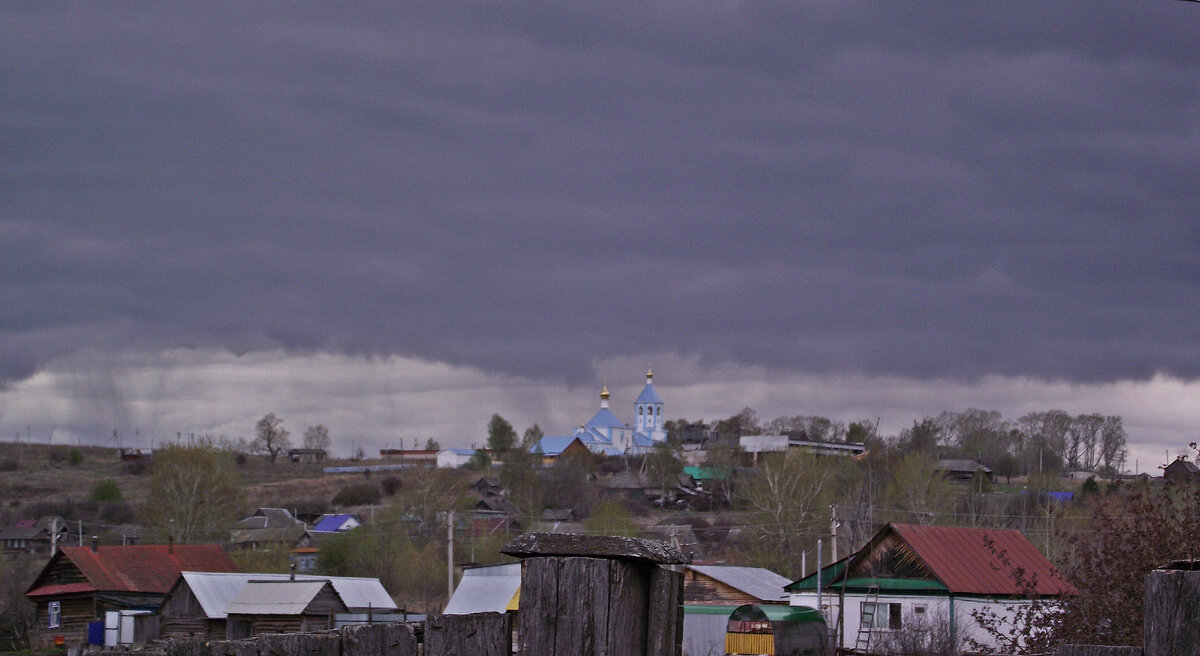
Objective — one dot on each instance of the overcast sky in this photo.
(400, 218)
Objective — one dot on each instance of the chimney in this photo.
(170, 544)
(95, 543)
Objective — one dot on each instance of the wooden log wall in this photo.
(1172, 624)
(391, 639)
(477, 634)
(1093, 650)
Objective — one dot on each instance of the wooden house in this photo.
(290, 606)
(80, 584)
(197, 604)
(909, 575)
(1181, 470)
(32, 537)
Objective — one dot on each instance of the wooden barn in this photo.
(292, 606)
(80, 584)
(198, 603)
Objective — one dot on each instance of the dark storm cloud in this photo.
(953, 190)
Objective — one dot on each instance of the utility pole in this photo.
(450, 554)
(833, 527)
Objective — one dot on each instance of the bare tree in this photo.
(193, 492)
(271, 437)
(317, 437)
(789, 496)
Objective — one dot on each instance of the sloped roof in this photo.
(214, 590)
(648, 395)
(553, 445)
(754, 581)
(604, 418)
(485, 589)
(139, 568)
(961, 465)
(959, 557)
(269, 518)
(263, 597)
(332, 523)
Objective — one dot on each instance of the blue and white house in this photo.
(605, 433)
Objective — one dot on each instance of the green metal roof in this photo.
(705, 609)
(706, 473)
(914, 585)
(776, 613)
(828, 574)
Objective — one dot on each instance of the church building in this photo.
(606, 434)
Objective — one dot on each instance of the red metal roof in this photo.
(959, 558)
(146, 568)
(62, 589)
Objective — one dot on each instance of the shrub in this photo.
(74, 457)
(117, 512)
(57, 455)
(358, 494)
(135, 467)
(105, 490)
(9, 464)
(391, 485)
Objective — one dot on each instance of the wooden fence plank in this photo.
(477, 634)
(538, 618)
(664, 621)
(1172, 608)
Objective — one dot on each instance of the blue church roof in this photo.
(648, 395)
(604, 419)
(552, 446)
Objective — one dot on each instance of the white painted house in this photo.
(910, 575)
(454, 458)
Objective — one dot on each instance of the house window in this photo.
(884, 616)
(54, 610)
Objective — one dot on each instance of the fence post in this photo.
(475, 634)
(1172, 607)
(587, 595)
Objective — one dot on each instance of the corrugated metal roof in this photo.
(275, 597)
(215, 591)
(485, 589)
(755, 581)
(144, 568)
(959, 557)
(61, 589)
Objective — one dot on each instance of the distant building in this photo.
(454, 458)
(1181, 470)
(607, 435)
(336, 523)
(426, 457)
(961, 470)
(33, 537)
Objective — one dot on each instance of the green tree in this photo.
(663, 467)
(518, 474)
(743, 423)
(925, 435)
(105, 489)
(789, 498)
(271, 438)
(193, 493)
(432, 445)
(501, 436)
(611, 517)
(532, 436)
(317, 437)
(412, 569)
(918, 490)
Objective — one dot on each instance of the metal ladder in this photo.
(866, 623)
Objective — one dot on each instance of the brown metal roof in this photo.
(960, 558)
(144, 568)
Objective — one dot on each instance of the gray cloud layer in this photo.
(955, 189)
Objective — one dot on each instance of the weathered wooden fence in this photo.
(1172, 625)
(360, 640)
(580, 596)
(598, 595)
